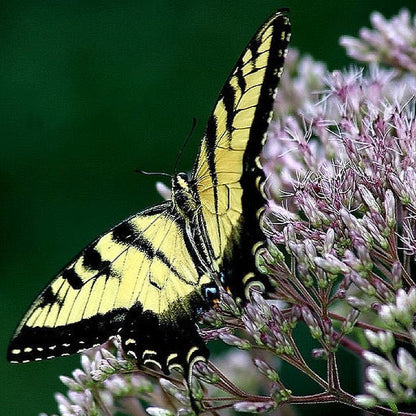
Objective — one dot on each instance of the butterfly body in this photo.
(148, 279)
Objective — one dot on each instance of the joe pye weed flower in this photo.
(341, 166)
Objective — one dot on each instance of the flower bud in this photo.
(71, 383)
(254, 407)
(266, 370)
(158, 411)
(365, 400)
(234, 341)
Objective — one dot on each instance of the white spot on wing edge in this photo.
(150, 361)
(264, 138)
(148, 352)
(247, 277)
(260, 212)
(170, 358)
(190, 352)
(256, 247)
(257, 162)
(132, 354)
(175, 365)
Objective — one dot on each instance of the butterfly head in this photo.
(180, 181)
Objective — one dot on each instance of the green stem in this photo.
(100, 403)
(364, 325)
(304, 368)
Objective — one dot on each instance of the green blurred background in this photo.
(90, 91)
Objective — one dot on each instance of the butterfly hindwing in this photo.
(227, 172)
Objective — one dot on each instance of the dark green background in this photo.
(90, 91)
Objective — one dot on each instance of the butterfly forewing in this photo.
(227, 171)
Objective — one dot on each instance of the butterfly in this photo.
(148, 279)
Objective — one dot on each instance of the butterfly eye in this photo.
(183, 176)
(210, 293)
(181, 180)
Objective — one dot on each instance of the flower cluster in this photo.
(391, 42)
(106, 383)
(391, 378)
(341, 225)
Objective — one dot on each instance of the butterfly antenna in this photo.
(143, 172)
(178, 157)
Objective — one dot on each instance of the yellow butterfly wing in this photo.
(140, 280)
(227, 172)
